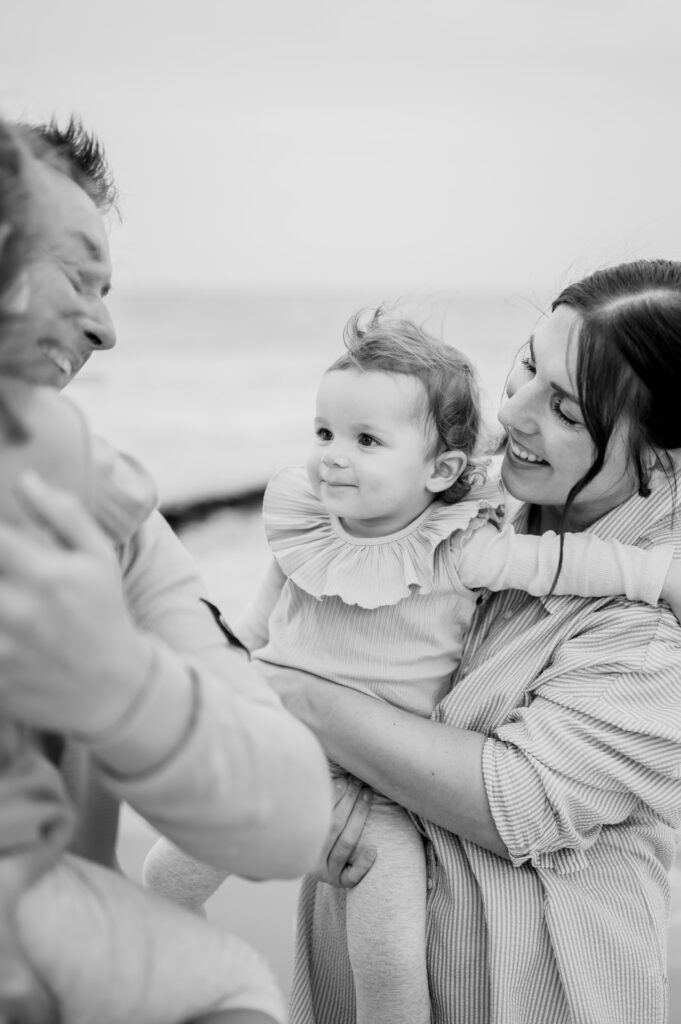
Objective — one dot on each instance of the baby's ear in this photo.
(447, 468)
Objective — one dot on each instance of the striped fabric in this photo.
(581, 703)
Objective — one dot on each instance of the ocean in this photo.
(214, 392)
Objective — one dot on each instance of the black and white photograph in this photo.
(340, 512)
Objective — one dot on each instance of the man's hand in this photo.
(70, 656)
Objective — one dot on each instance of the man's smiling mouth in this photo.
(58, 358)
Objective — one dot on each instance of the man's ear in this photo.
(447, 468)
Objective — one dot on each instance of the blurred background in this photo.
(281, 165)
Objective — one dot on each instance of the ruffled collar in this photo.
(319, 556)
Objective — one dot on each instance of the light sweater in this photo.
(388, 615)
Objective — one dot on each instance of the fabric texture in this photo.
(579, 700)
(225, 794)
(388, 615)
(163, 965)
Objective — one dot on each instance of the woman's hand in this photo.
(345, 860)
(71, 659)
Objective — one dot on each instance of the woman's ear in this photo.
(447, 468)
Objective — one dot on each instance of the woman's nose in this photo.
(98, 327)
(518, 411)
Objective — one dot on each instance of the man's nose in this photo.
(99, 329)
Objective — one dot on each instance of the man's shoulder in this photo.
(125, 493)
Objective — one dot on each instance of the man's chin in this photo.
(37, 374)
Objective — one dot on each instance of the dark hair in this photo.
(77, 153)
(629, 361)
(395, 345)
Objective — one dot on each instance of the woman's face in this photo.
(549, 448)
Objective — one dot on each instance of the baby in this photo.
(380, 548)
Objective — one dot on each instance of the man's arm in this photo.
(182, 727)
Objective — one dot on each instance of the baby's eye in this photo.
(324, 434)
(367, 441)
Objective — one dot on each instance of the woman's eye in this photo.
(367, 441)
(528, 363)
(557, 408)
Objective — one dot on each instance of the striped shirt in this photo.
(580, 700)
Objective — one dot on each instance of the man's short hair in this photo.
(75, 152)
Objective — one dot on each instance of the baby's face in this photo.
(369, 464)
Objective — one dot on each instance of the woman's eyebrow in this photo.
(563, 393)
(556, 387)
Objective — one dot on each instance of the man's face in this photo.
(67, 281)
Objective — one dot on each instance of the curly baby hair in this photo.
(378, 341)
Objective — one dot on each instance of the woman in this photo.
(547, 783)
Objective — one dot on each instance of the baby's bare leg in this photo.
(111, 952)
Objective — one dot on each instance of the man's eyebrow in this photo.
(93, 248)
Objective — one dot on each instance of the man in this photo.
(154, 706)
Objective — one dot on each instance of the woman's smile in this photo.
(524, 455)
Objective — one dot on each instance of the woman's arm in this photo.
(430, 768)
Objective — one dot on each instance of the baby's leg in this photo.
(112, 953)
(386, 923)
(171, 873)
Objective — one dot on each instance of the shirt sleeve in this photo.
(247, 788)
(252, 627)
(598, 741)
(591, 567)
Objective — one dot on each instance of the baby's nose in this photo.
(334, 458)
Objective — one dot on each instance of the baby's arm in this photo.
(592, 567)
(671, 591)
(252, 625)
(171, 873)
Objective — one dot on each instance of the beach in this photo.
(214, 393)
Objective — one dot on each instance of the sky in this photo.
(408, 144)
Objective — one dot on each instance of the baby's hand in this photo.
(671, 590)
